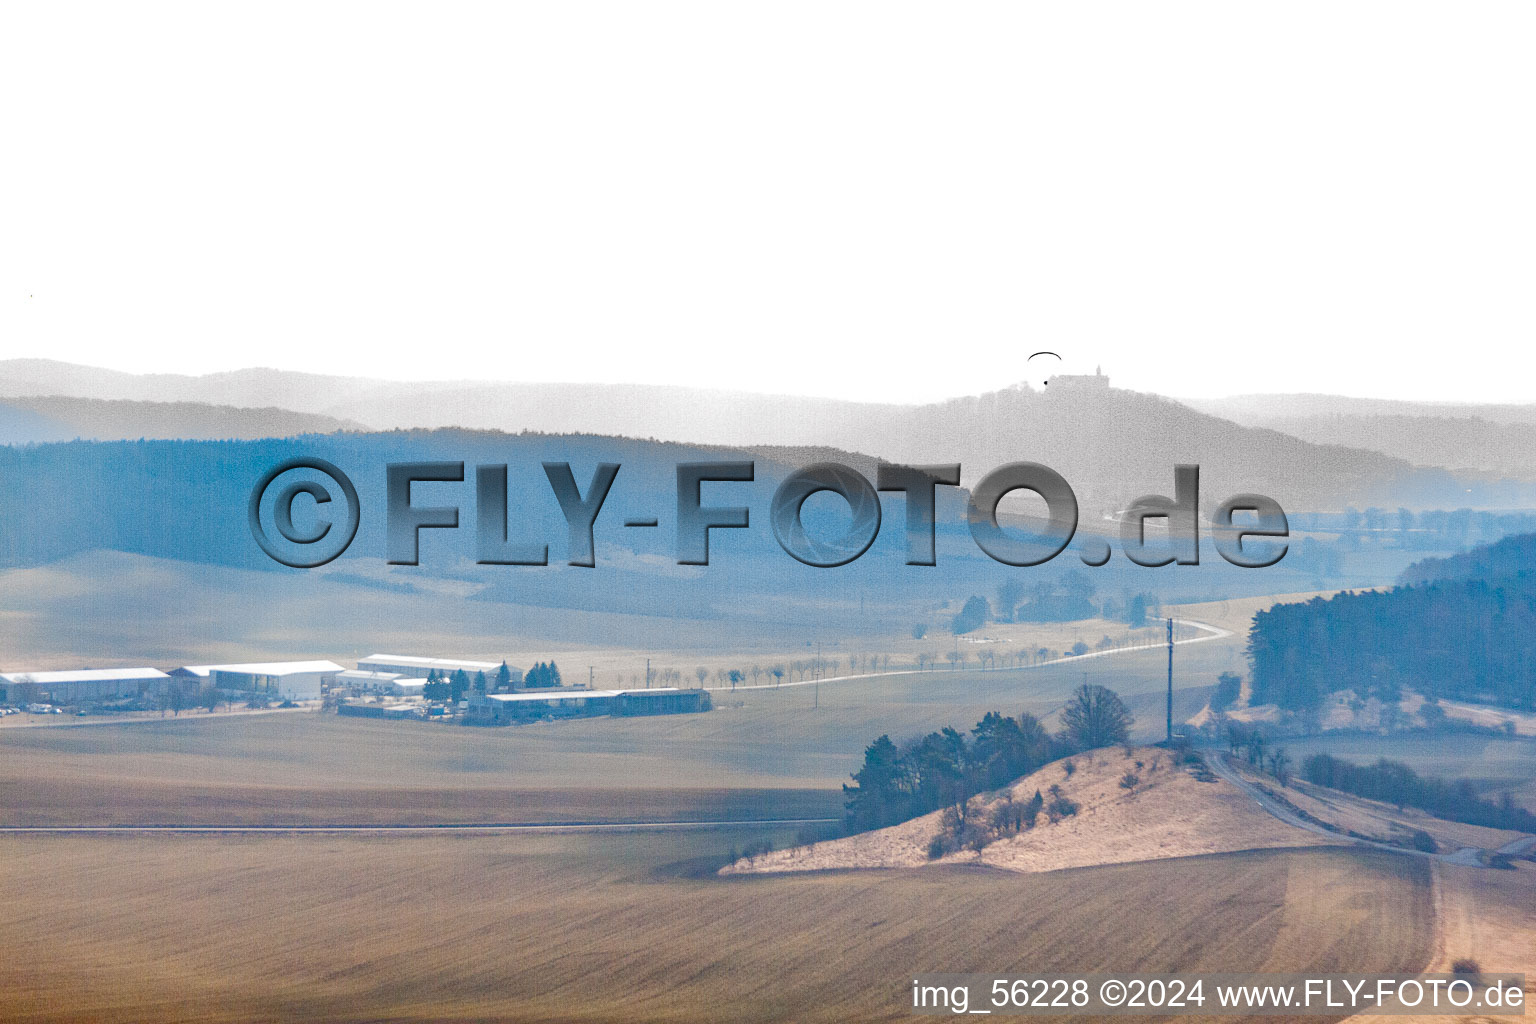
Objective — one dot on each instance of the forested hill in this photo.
(1464, 627)
(1512, 556)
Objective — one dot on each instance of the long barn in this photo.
(529, 706)
(75, 685)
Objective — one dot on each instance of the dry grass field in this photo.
(1169, 813)
(1485, 916)
(631, 927)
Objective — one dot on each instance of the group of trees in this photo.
(1253, 742)
(800, 669)
(1007, 657)
(450, 686)
(1229, 686)
(972, 616)
(963, 828)
(797, 670)
(542, 674)
(947, 768)
(1467, 639)
(1395, 783)
(1460, 627)
(1067, 598)
(1062, 599)
(757, 674)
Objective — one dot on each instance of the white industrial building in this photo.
(411, 665)
(75, 685)
(293, 680)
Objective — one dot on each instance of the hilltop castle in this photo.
(1096, 379)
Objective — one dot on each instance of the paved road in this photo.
(1212, 633)
(520, 826)
(1468, 856)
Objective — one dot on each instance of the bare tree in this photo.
(1095, 716)
(1280, 766)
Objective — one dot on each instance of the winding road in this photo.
(1467, 856)
(1212, 633)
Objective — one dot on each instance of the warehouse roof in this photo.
(276, 668)
(83, 675)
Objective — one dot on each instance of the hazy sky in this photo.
(881, 201)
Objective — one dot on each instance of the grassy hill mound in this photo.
(1109, 806)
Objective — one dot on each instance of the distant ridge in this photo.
(1495, 438)
(1111, 444)
(1254, 408)
(53, 418)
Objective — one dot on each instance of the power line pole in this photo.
(1170, 680)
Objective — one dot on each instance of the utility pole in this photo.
(648, 673)
(1170, 680)
(817, 705)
